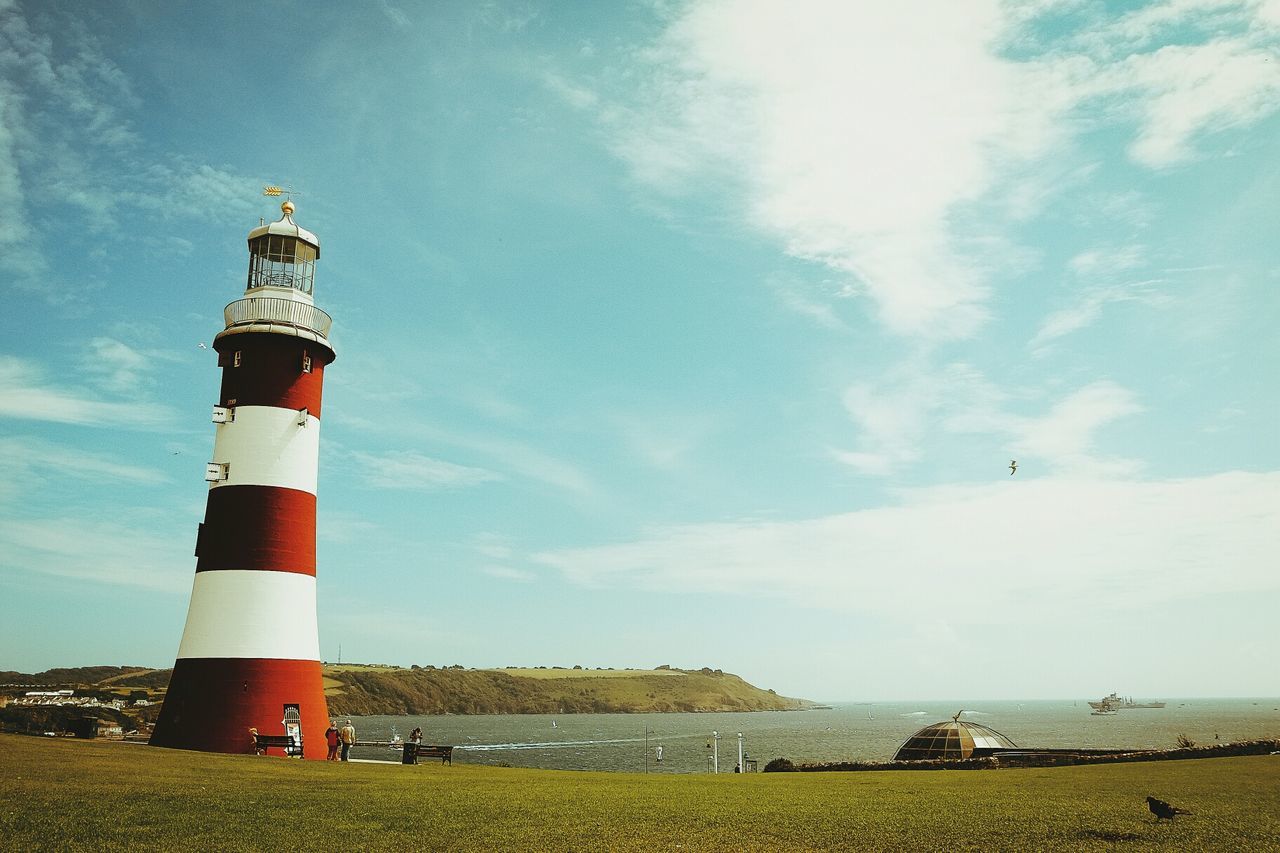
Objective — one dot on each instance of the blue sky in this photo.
(690, 333)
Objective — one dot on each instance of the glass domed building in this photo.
(951, 741)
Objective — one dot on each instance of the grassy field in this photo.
(63, 794)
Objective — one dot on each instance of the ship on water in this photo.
(1122, 703)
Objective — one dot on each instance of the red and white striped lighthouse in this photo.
(251, 647)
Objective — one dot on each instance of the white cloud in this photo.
(66, 134)
(1107, 260)
(853, 142)
(119, 368)
(1088, 309)
(665, 440)
(858, 135)
(975, 553)
(395, 15)
(508, 573)
(1190, 90)
(894, 415)
(1064, 438)
(903, 417)
(515, 456)
(116, 553)
(27, 454)
(25, 394)
(410, 470)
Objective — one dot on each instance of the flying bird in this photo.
(1162, 810)
(201, 345)
(1013, 466)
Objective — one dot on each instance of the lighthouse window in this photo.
(306, 363)
(235, 361)
(277, 260)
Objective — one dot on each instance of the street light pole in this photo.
(715, 752)
(741, 767)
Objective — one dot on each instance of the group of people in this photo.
(344, 737)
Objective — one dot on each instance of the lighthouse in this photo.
(250, 652)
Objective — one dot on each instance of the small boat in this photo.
(396, 741)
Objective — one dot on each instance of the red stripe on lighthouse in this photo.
(270, 371)
(213, 702)
(258, 527)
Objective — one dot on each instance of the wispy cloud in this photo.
(36, 455)
(26, 394)
(1099, 274)
(1064, 439)
(904, 417)
(411, 470)
(508, 456)
(119, 554)
(67, 134)
(858, 136)
(894, 414)
(1088, 308)
(973, 553)
(665, 440)
(118, 368)
(395, 15)
(508, 573)
(1193, 90)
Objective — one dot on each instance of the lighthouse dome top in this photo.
(285, 226)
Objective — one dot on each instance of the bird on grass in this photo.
(1013, 466)
(1162, 810)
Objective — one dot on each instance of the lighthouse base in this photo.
(213, 702)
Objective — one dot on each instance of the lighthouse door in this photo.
(293, 729)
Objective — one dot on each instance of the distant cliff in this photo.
(389, 690)
(358, 689)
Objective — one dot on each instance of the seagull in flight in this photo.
(1013, 466)
(201, 345)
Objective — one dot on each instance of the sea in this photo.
(853, 731)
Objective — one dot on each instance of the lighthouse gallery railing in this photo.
(267, 309)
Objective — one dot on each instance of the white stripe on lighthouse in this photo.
(265, 446)
(252, 614)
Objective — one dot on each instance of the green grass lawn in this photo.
(64, 794)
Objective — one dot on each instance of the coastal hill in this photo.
(364, 689)
(426, 690)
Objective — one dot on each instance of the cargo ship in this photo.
(1122, 703)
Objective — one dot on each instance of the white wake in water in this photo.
(563, 744)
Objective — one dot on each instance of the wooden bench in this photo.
(425, 750)
(261, 743)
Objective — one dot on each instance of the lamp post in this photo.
(741, 767)
(715, 752)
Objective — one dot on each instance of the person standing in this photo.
(333, 739)
(348, 735)
(409, 754)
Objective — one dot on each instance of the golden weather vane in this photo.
(273, 190)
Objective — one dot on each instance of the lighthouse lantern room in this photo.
(250, 649)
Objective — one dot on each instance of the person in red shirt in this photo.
(332, 739)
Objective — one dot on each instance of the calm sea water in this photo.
(846, 732)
